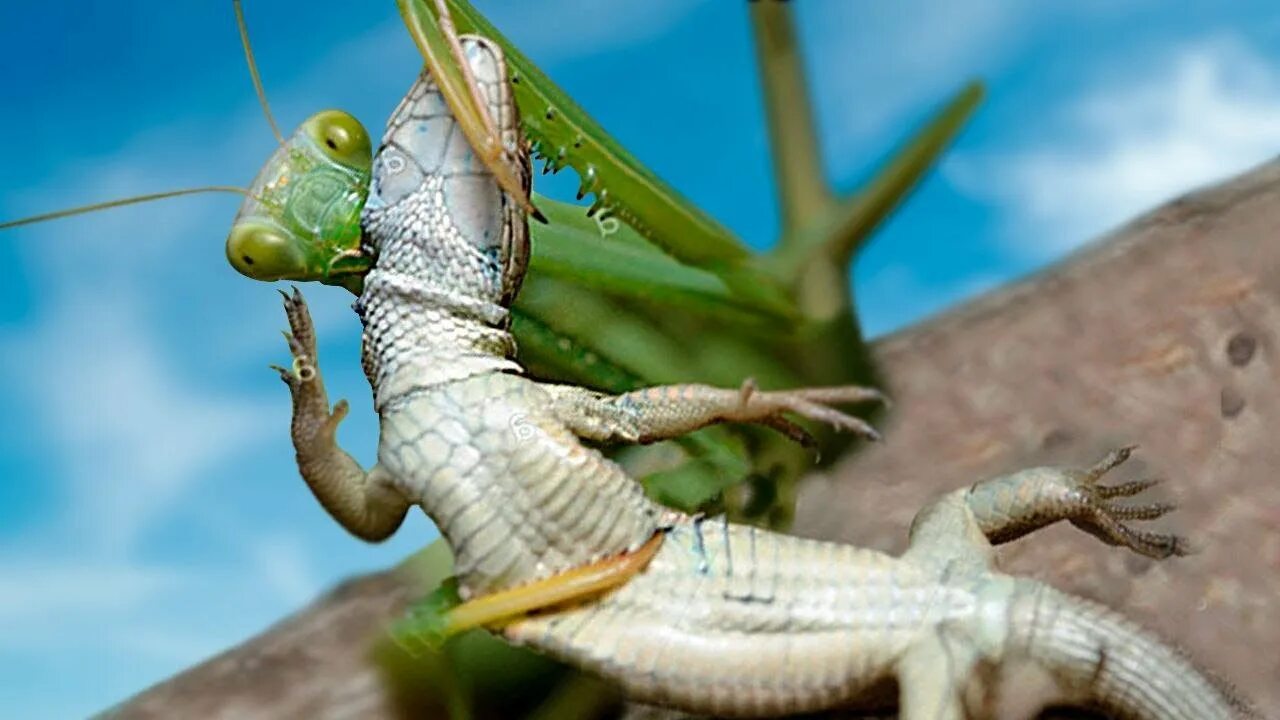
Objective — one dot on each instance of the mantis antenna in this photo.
(253, 71)
(94, 207)
(120, 203)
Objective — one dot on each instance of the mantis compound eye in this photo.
(340, 136)
(264, 253)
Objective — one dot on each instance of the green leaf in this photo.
(566, 358)
(691, 486)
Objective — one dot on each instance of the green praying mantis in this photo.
(623, 263)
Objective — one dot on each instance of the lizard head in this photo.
(301, 217)
(435, 214)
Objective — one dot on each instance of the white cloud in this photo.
(1210, 110)
(129, 433)
(38, 591)
(875, 65)
(55, 604)
(59, 603)
(104, 360)
(283, 564)
(100, 373)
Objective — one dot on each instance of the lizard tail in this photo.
(1113, 663)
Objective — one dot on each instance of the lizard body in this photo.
(725, 619)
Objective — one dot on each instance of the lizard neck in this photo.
(418, 333)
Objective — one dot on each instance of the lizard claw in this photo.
(329, 421)
(286, 374)
(302, 333)
(811, 403)
(792, 431)
(1097, 514)
(840, 394)
(301, 338)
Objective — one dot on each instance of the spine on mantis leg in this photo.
(565, 136)
(1112, 662)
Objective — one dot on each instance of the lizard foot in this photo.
(1096, 512)
(301, 338)
(768, 408)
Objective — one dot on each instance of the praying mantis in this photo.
(638, 251)
(666, 252)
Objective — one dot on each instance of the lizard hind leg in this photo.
(1011, 506)
(933, 676)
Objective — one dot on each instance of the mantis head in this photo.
(301, 217)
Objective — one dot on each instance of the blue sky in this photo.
(150, 513)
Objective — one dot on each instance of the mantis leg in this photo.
(667, 411)
(564, 588)
(437, 39)
(365, 503)
(434, 622)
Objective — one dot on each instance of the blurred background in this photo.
(150, 511)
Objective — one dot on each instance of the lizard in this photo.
(722, 618)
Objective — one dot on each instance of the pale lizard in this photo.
(726, 619)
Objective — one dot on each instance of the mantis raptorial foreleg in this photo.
(437, 39)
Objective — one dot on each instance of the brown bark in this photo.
(1161, 335)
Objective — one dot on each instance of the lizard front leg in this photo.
(365, 503)
(663, 412)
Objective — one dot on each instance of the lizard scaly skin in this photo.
(726, 619)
